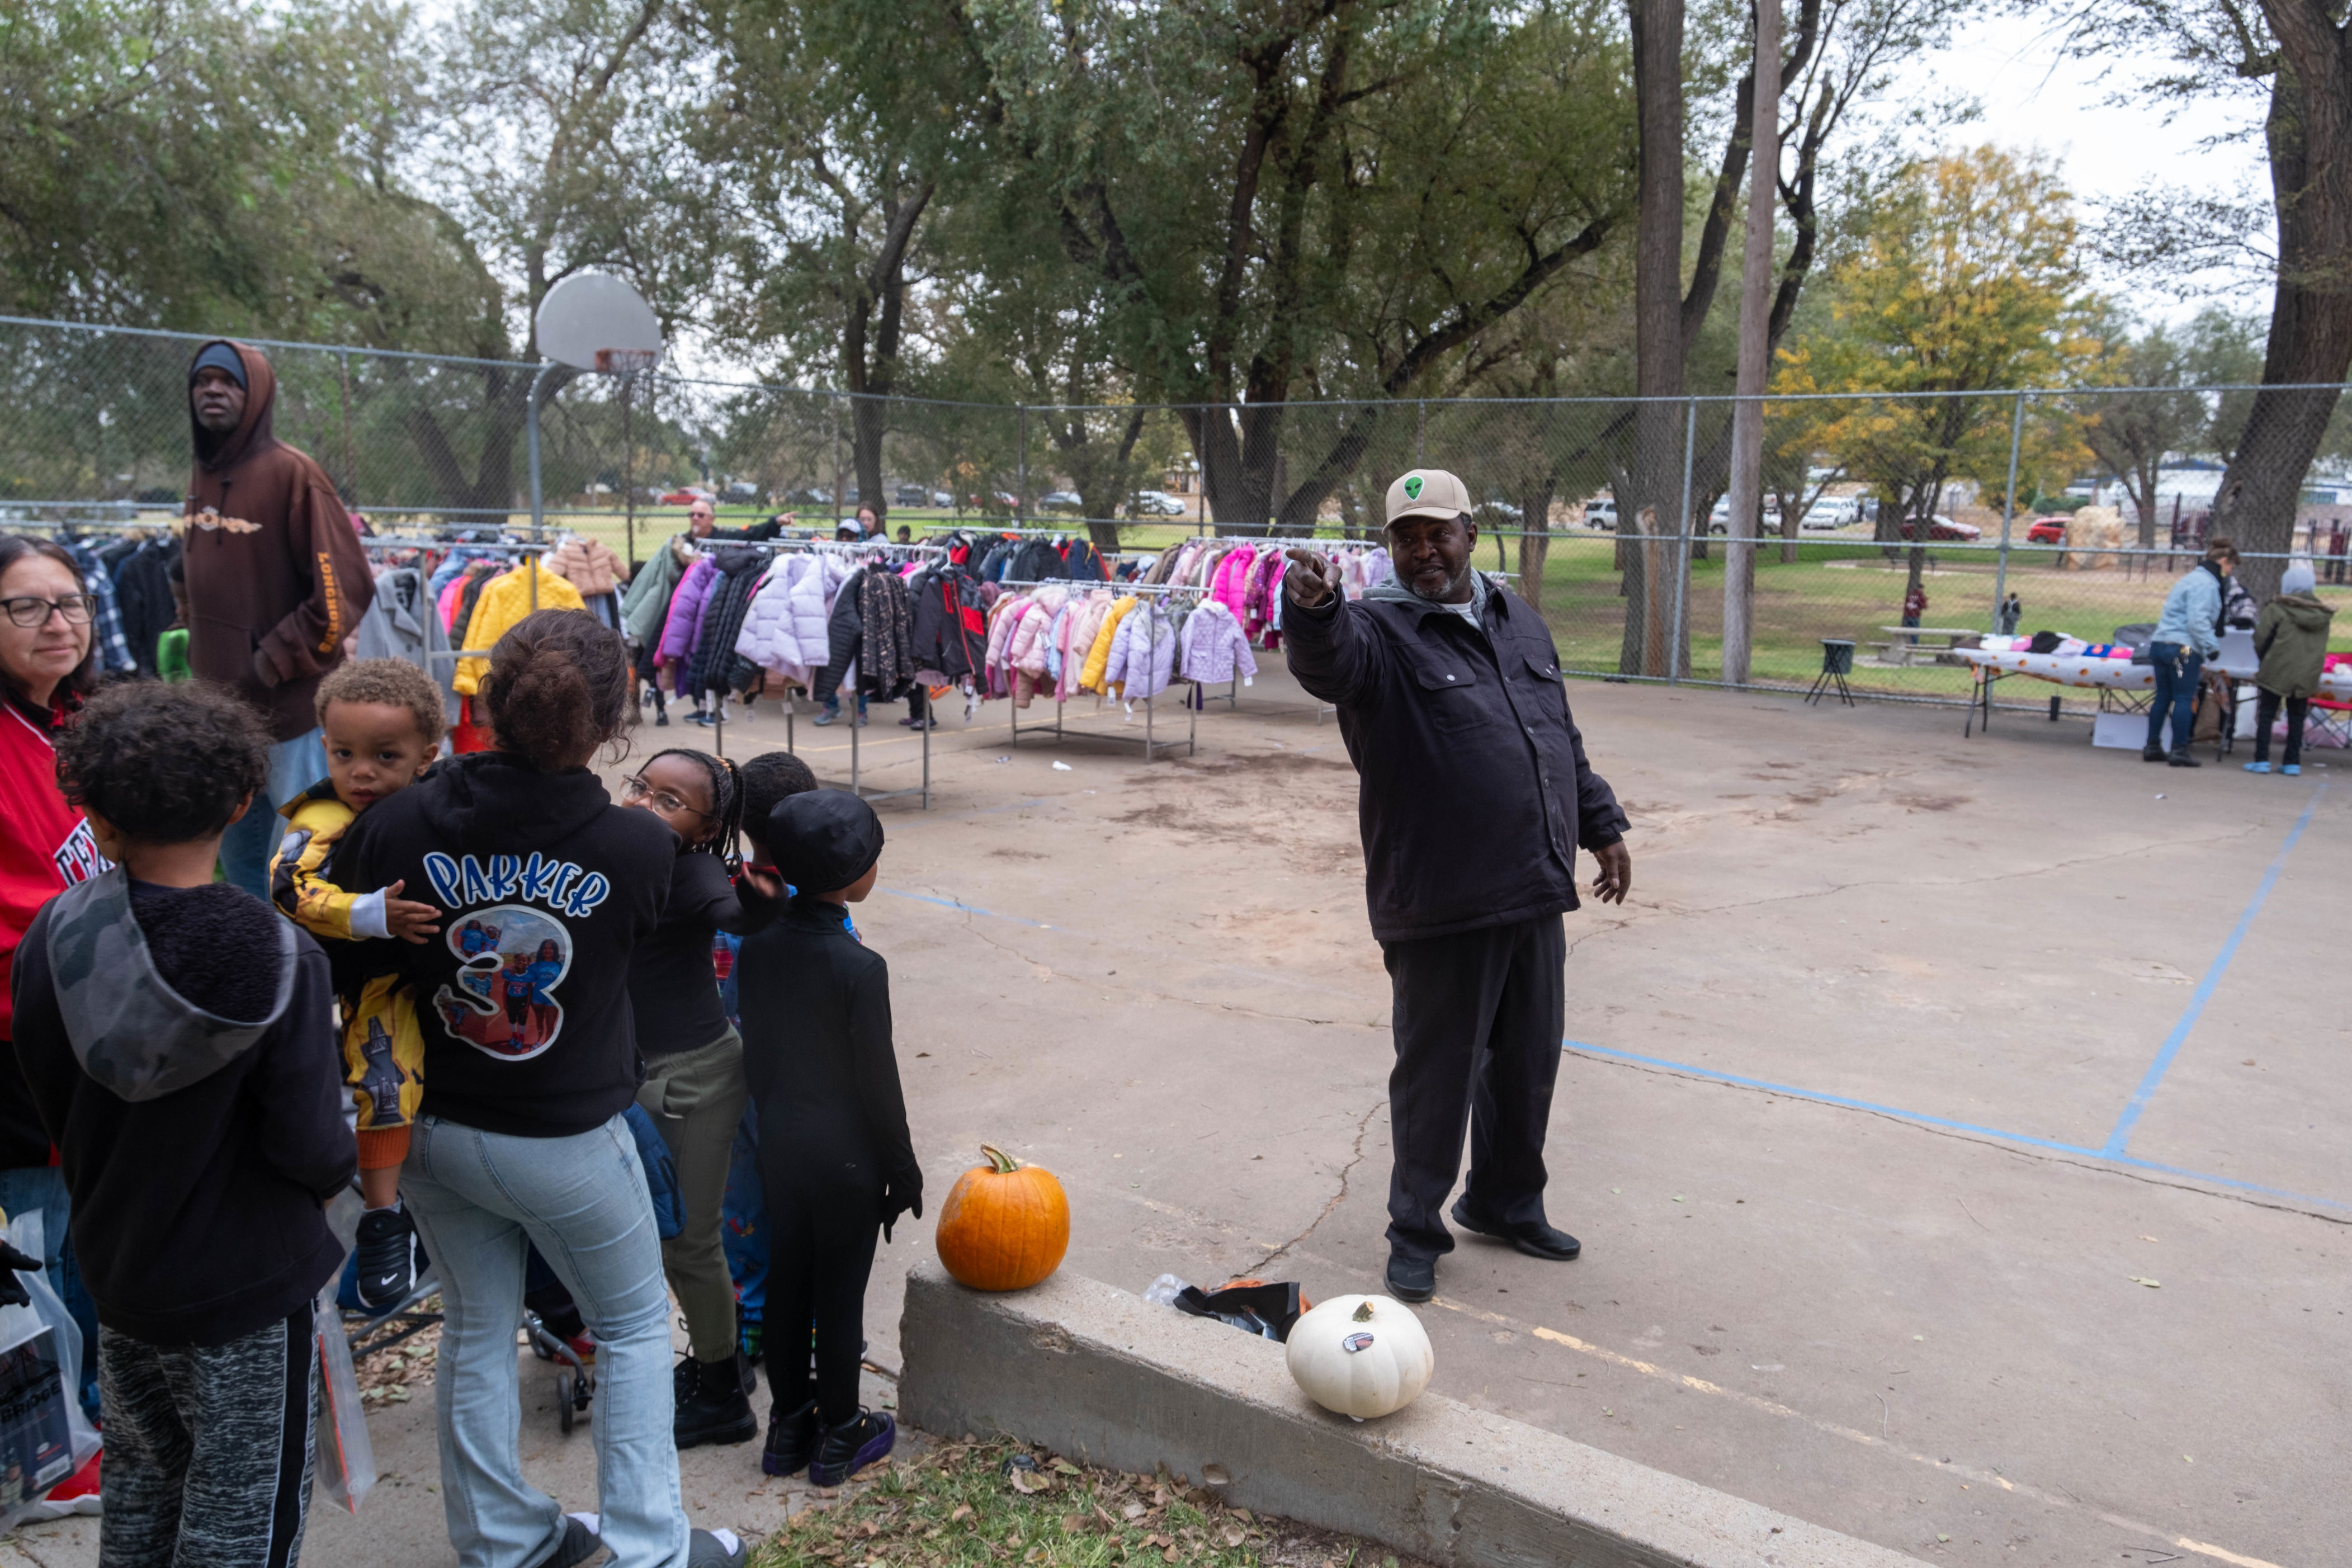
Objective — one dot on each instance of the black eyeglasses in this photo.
(77, 608)
(634, 789)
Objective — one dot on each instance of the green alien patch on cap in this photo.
(1412, 488)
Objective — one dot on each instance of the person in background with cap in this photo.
(2290, 640)
(277, 580)
(1475, 797)
(836, 1161)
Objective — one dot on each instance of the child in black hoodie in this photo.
(177, 1039)
(530, 1055)
(836, 1159)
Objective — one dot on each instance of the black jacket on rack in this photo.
(1036, 560)
(843, 634)
(885, 667)
(143, 591)
(951, 623)
(739, 572)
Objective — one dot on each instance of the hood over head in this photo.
(498, 802)
(2298, 577)
(252, 432)
(129, 1027)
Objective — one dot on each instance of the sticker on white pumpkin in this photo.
(1359, 1356)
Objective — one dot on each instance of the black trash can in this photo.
(1837, 656)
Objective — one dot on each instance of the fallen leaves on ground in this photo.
(967, 1505)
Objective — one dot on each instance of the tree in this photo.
(2303, 50)
(1834, 54)
(1967, 281)
(2132, 433)
(1388, 183)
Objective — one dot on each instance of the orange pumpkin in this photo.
(1004, 1225)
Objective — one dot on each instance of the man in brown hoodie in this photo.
(277, 580)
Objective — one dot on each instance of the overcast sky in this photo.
(2036, 97)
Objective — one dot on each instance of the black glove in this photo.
(12, 1290)
(901, 1193)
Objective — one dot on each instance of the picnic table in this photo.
(1904, 646)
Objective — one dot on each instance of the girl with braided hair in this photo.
(694, 1068)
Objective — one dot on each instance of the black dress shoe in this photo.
(1537, 1239)
(1411, 1278)
(2151, 754)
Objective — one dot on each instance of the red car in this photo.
(2047, 531)
(683, 498)
(1942, 527)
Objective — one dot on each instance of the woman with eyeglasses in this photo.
(47, 663)
(694, 1087)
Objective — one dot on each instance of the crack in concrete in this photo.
(1355, 1157)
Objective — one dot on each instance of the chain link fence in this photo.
(1610, 511)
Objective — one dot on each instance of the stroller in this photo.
(551, 1321)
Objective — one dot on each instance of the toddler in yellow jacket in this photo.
(382, 719)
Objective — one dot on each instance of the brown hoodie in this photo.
(276, 576)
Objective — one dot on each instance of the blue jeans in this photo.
(477, 1197)
(43, 1187)
(2177, 673)
(245, 850)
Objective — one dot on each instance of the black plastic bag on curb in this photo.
(1266, 1310)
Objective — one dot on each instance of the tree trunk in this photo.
(1535, 542)
(2309, 133)
(1755, 336)
(1652, 468)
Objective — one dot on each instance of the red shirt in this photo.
(46, 845)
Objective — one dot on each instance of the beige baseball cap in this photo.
(1427, 492)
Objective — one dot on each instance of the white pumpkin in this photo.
(1361, 1355)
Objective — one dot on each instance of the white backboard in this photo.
(592, 311)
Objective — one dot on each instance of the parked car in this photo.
(1601, 512)
(742, 490)
(1061, 500)
(685, 497)
(1719, 520)
(1829, 512)
(1154, 503)
(2047, 531)
(1943, 528)
(911, 495)
(942, 499)
(1004, 500)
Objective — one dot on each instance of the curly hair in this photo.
(767, 779)
(166, 765)
(726, 800)
(386, 682)
(82, 679)
(559, 687)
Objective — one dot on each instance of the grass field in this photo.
(1840, 587)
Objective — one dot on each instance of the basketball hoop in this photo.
(625, 361)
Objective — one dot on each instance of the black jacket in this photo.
(197, 1174)
(817, 1057)
(547, 888)
(1474, 792)
(673, 985)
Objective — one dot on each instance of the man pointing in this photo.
(1475, 797)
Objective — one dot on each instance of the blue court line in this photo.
(968, 908)
(1925, 1119)
(2119, 1140)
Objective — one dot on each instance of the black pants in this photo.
(650, 676)
(822, 1232)
(1478, 1018)
(2267, 712)
(207, 1450)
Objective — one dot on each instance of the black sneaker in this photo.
(717, 1411)
(713, 1549)
(792, 1440)
(1411, 1278)
(387, 1258)
(2182, 759)
(845, 1449)
(579, 1544)
(2151, 754)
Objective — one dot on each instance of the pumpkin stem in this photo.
(1363, 1314)
(1005, 1163)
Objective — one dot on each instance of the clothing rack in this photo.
(1151, 594)
(868, 549)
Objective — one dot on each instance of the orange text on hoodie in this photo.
(276, 576)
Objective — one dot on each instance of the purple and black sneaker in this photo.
(792, 1439)
(845, 1449)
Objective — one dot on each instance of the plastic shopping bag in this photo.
(345, 1458)
(44, 1436)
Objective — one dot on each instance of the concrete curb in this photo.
(1100, 1375)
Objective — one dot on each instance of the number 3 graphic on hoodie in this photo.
(511, 960)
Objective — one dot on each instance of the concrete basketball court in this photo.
(1950, 1124)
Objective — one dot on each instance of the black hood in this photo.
(494, 802)
(253, 429)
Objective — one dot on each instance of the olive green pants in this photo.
(696, 1098)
